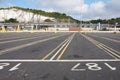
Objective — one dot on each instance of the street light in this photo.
(81, 18)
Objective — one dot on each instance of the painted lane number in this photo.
(91, 66)
(3, 65)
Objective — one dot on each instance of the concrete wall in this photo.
(87, 29)
(58, 29)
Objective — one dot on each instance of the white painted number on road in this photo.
(15, 67)
(3, 65)
(75, 68)
(91, 66)
(112, 68)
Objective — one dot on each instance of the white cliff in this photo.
(21, 16)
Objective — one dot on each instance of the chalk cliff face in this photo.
(21, 16)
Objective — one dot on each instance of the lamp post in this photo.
(81, 18)
(99, 25)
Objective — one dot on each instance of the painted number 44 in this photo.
(3, 65)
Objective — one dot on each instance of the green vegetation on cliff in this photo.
(58, 16)
(62, 17)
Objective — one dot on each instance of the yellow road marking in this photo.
(96, 44)
(117, 41)
(111, 39)
(111, 49)
(59, 50)
(22, 39)
(53, 50)
(106, 51)
(102, 46)
(63, 43)
(63, 51)
(26, 45)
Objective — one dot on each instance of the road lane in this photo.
(80, 59)
(36, 51)
(114, 45)
(81, 48)
(19, 42)
(107, 35)
(112, 52)
(76, 48)
(14, 35)
(21, 36)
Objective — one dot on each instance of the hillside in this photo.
(32, 15)
(106, 21)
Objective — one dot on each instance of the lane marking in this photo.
(110, 39)
(10, 38)
(26, 45)
(17, 40)
(105, 48)
(97, 44)
(101, 47)
(63, 51)
(113, 53)
(110, 51)
(53, 50)
(59, 50)
(23, 39)
(37, 60)
(106, 52)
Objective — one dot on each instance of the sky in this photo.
(78, 9)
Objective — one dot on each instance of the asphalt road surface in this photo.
(59, 56)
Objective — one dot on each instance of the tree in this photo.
(11, 20)
(48, 20)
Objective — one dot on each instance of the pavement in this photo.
(59, 56)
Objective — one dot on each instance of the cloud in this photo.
(98, 7)
(114, 5)
(103, 10)
(96, 10)
(75, 8)
(113, 8)
(67, 6)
